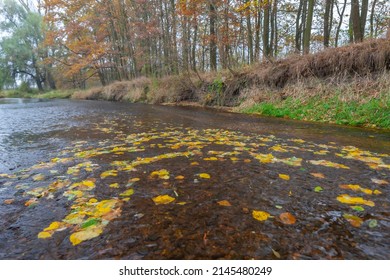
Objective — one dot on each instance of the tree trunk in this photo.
(213, 36)
(307, 34)
(356, 24)
(340, 22)
(327, 20)
(266, 48)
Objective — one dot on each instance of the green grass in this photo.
(35, 94)
(371, 113)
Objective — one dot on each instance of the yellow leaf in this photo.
(204, 176)
(53, 226)
(247, 160)
(264, 158)
(162, 174)
(195, 163)
(353, 220)
(377, 192)
(44, 235)
(284, 177)
(278, 148)
(224, 203)
(88, 183)
(211, 158)
(89, 233)
(182, 203)
(134, 180)
(105, 206)
(38, 177)
(344, 198)
(163, 199)
(260, 215)
(179, 177)
(356, 188)
(328, 164)
(129, 192)
(114, 185)
(109, 173)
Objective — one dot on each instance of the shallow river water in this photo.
(102, 180)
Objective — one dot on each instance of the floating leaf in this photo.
(328, 164)
(38, 177)
(44, 235)
(163, 199)
(353, 220)
(284, 177)
(129, 192)
(358, 208)
(210, 159)
(162, 174)
(318, 175)
(276, 253)
(260, 215)
(224, 203)
(114, 185)
(8, 201)
(356, 188)
(109, 173)
(204, 176)
(372, 223)
(53, 226)
(287, 218)
(318, 189)
(379, 181)
(90, 222)
(31, 202)
(80, 236)
(344, 198)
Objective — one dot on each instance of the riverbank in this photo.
(349, 85)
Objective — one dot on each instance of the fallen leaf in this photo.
(162, 174)
(53, 226)
(372, 223)
(379, 181)
(80, 236)
(260, 215)
(204, 176)
(224, 203)
(356, 188)
(114, 185)
(318, 175)
(284, 177)
(109, 173)
(129, 192)
(195, 163)
(344, 198)
(38, 177)
(9, 201)
(353, 220)
(210, 159)
(276, 253)
(179, 177)
(134, 180)
(318, 189)
(44, 235)
(278, 207)
(182, 203)
(163, 199)
(287, 218)
(328, 164)
(357, 208)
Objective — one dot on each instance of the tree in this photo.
(21, 50)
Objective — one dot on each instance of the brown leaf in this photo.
(287, 218)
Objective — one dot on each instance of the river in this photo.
(103, 180)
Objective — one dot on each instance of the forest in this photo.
(53, 44)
